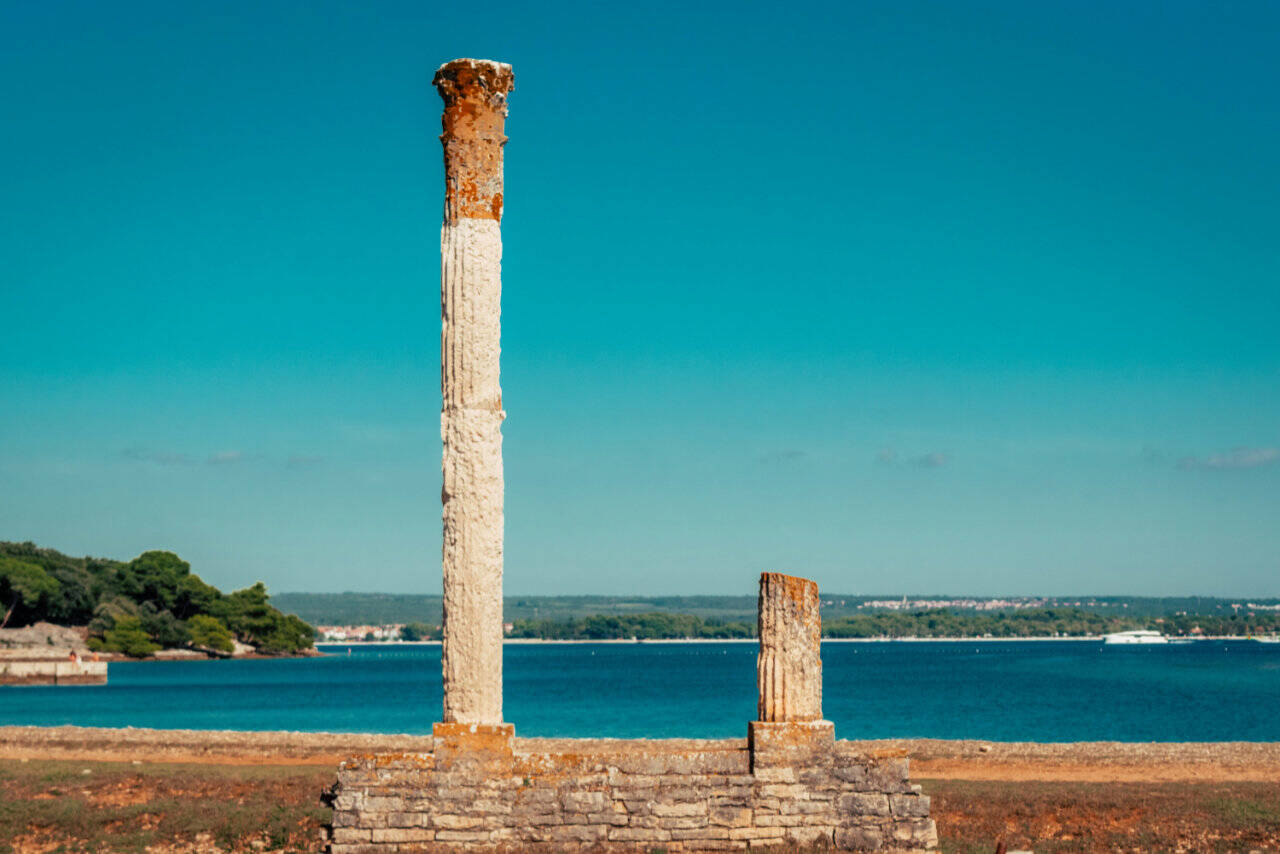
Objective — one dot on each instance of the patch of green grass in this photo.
(1247, 813)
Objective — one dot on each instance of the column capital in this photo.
(475, 112)
(479, 80)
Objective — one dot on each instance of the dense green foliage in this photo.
(642, 626)
(128, 636)
(136, 607)
(419, 632)
(946, 623)
(24, 586)
(209, 633)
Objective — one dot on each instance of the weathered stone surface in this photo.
(556, 800)
(859, 838)
(789, 665)
(475, 98)
(863, 804)
(784, 750)
(913, 806)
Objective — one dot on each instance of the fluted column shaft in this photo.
(789, 666)
(475, 110)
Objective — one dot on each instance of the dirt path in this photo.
(1092, 762)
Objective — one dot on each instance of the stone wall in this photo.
(787, 784)
(18, 671)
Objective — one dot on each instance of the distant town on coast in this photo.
(381, 617)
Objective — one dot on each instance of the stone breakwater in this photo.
(785, 785)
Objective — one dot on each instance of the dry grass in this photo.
(55, 806)
(1096, 817)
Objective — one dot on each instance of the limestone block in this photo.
(864, 804)
(913, 806)
(457, 822)
(919, 832)
(680, 809)
(810, 835)
(638, 834)
(730, 816)
(403, 834)
(859, 838)
(579, 833)
(701, 833)
(462, 836)
(345, 835)
(792, 745)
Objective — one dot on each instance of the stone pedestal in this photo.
(790, 744)
(471, 747)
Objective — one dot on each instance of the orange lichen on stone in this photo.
(489, 744)
(475, 112)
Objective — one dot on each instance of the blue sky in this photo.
(899, 296)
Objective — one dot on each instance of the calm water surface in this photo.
(1033, 691)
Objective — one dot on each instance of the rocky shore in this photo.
(47, 640)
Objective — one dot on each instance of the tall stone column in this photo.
(789, 666)
(475, 109)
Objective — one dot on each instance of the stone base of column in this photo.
(472, 746)
(789, 743)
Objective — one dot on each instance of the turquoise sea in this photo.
(1007, 691)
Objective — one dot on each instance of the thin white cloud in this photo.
(932, 460)
(299, 461)
(935, 460)
(160, 458)
(1236, 458)
(217, 458)
(788, 455)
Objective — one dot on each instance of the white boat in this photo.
(1143, 636)
(1268, 639)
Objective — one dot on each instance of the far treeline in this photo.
(379, 609)
(140, 606)
(930, 623)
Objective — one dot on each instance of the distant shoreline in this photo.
(643, 641)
